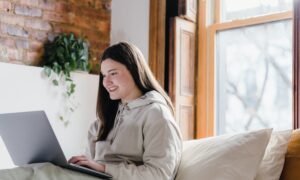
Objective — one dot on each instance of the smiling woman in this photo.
(118, 81)
(135, 135)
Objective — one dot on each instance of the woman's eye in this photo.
(114, 73)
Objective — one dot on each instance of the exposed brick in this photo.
(83, 22)
(5, 6)
(31, 3)
(84, 3)
(103, 26)
(51, 36)
(63, 7)
(7, 42)
(33, 57)
(3, 54)
(38, 35)
(67, 29)
(95, 53)
(36, 45)
(58, 17)
(95, 65)
(12, 19)
(38, 24)
(22, 44)
(88, 3)
(97, 45)
(14, 54)
(27, 11)
(47, 4)
(25, 25)
(93, 13)
(96, 36)
(13, 30)
(103, 5)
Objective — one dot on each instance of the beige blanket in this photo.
(43, 171)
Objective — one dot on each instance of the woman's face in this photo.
(118, 81)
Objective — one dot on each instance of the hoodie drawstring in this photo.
(118, 121)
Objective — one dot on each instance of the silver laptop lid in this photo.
(29, 138)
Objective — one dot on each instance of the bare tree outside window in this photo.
(254, 77)
(241, 9)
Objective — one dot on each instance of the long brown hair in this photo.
(130, 56)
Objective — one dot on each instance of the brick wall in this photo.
(25, 25)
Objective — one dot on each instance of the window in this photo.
(250, 65)
(242, 9)
(254, 77)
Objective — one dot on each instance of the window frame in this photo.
(206, 57)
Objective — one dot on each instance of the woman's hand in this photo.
(84, 161)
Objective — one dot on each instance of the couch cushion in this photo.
(291, 169)
(273, 160)
(227, 157)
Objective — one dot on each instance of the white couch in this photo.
(250, 155)
(229, 157)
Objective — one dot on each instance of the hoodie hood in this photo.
(148, 98)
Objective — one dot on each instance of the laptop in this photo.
(29, 138)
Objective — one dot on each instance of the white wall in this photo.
(24, 88)
(130, 22)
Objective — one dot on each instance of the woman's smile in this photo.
(112, 89)
(118, 81)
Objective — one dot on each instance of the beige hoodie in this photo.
(145, 143)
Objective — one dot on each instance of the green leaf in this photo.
(60, 55)
(55, 82)
(66, 123)
(73, 64)
(47, 71)
(73, 56)
(67, 66)
(56, 68)
(71, 89)
(67, 73)
(69, 79)
(90, 67)
(72, 37)
(66, 42)
(65, 54)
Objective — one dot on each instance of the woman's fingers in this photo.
(75, 159)
(84, 161)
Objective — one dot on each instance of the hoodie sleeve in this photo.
(90, 148)
(162, 151)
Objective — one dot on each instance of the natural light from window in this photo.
(253, 66)
(240, 9)
(255, 77)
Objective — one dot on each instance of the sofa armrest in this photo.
(291, 168)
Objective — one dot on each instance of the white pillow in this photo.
(227, 157)
(273, 160)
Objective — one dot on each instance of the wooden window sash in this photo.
(296, 65)
(157, 39)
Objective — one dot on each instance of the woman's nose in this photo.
(106, 81)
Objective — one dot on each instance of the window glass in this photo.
(241, 9)
(254, 77)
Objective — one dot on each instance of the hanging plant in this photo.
(65, 54)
